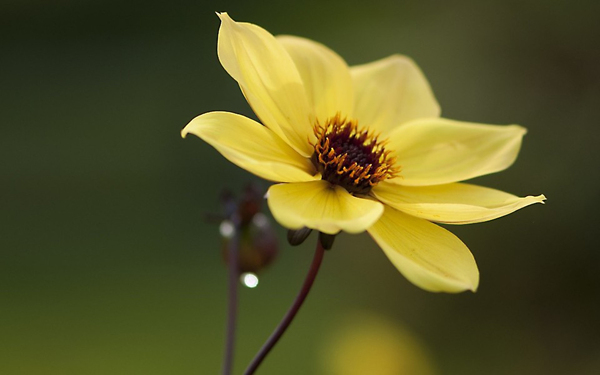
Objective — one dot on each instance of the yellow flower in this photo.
(361, 148)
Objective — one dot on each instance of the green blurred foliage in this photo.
(107, 265)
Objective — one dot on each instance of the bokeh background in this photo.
(107, 265)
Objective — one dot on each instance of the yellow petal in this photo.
(325, 75)
(455, 203)
(427, 255)
(390, 92)
(438, 151)
(269, 79)
(251, 146)
(321, 206)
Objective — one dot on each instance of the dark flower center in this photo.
(351, 157)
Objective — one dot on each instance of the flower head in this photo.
(361, 148)
(351, 157)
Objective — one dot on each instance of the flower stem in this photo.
(234, 274)
(289, 316)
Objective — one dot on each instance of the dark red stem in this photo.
(289, 316)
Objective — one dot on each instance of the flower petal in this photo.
(325, 75)
(427, 255)
(321, 206)
(269, 79)
(452, 203)
(251, 146)
(438, 151)
(390, 92)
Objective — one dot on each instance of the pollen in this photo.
(350, 156)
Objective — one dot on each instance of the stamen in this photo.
(351, 157)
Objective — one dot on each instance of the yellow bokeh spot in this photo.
(365, 343)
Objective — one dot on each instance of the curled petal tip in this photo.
(471, 285)
(538, 199)
(223, 16)
(521, 128)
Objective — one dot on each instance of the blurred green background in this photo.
(108, 267)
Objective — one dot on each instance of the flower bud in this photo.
(258, 245)
(298, 236)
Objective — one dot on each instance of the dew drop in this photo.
(249, 279)
(226, 229)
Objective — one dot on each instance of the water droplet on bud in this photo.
(249, 279)
(226, 229)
